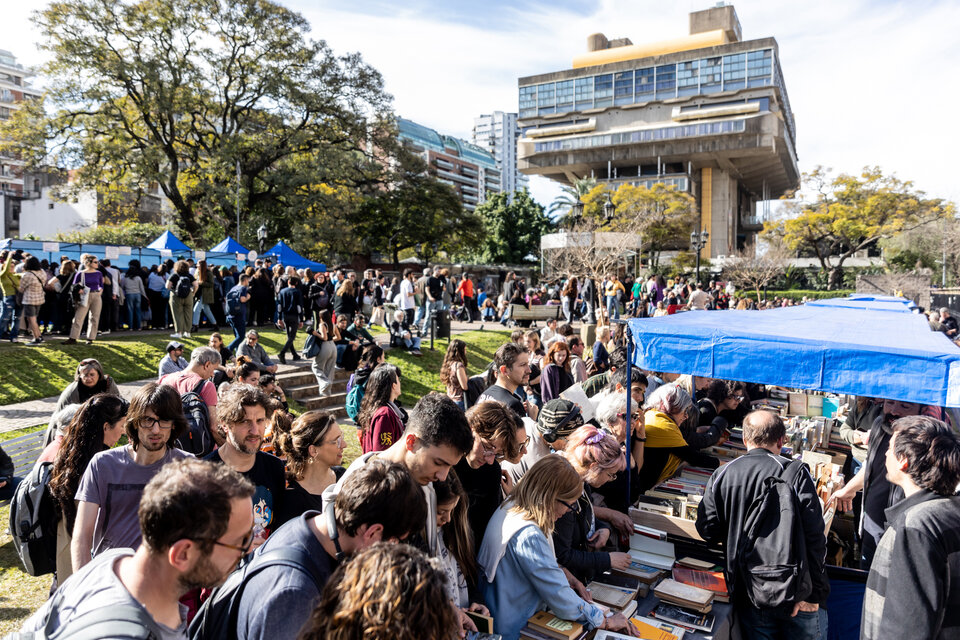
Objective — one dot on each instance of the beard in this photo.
(204, 575)
(241, 445)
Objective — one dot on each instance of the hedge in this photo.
(797, 294)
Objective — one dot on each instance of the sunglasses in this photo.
(575, 507)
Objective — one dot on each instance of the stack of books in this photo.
(543, 625)
(688, 619)
(678, 497)
(712, 581)
(655, 553)
(670, 591)
(615, 597)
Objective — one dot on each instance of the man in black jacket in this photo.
(730, 492)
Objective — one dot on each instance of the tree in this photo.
(131, 234)
(180, 93)
(753, 269)
(511, 230)
(563, 204)
(836, 217)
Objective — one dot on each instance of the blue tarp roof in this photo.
(229, 245)
(842, 350)
(167, 240)
(290, 258)
(871, 303)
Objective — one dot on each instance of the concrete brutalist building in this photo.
(707, 113)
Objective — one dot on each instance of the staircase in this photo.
(300, 384)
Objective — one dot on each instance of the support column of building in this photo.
(718, 207)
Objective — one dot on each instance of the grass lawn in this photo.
(38, 372)
(21, 594)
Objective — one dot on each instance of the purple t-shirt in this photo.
(115, 482)
(92, 279)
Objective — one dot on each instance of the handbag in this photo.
(54, 284)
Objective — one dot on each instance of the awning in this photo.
(229, 245)
(290, 258)
(838, 349)
(867, 302)
(167, 240)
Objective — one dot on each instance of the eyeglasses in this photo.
(633, 416)
(338, 441)
(488, 452)
(148, 423)
(575, 507)
(244, 547)
(524, 443)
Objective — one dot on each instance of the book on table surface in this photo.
(484, 623)
(640, 571)
(678, 615)
(646, 633)
(694, 563)
(547, 623)
(532, 633)
(662, 625)
(680, 592)
(649, 532)
(713, 581)
(630, 609)
(656, 553)
(611, 595)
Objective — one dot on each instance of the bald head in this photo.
(763, 429)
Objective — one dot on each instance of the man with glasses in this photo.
(378, 502)
(252, 349)
(111, 487)
(196, 524)
(243, 413)
(498, 434)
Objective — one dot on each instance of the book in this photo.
(484, 623)
(648, 631)
(630, 609)
(611, 595)
(655, 553)
(713, 581)
(662, 625)
(481, 635)
(677, 615)
(693, 563)
(642, 572)
(555, 627)
(669, 590)
(649, 532)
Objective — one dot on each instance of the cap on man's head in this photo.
(173, 344)
(557, 415)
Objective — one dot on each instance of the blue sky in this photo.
(869, 82)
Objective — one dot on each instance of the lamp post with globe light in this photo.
(697, 242)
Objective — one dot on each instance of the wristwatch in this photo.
(636, 438)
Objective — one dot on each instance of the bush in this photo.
(798, 294)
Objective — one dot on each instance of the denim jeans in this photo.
(613, 308)
(199, 306)
(773, 624)
(239, 326)
(8, 308)
(432, 309)
(133, 311)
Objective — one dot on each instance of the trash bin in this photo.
(442, 318)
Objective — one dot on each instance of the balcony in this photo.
(444, 164)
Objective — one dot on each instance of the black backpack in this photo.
(219, 615)
(184, 287)
(772, 554)
(233, 301)
(197, 438)
(33, 522)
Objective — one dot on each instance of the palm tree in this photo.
(571, 193)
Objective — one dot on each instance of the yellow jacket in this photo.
(663, 433)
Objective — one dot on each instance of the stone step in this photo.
(338, 410)
(303, 396)
(309, 388)
(295, 376)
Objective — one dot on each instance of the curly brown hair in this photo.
(386, 592)
(456, 352)
(293, 441)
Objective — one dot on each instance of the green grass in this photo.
(39, 372)
(10, 435)
(20, 594)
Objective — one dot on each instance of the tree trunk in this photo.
(835, 278)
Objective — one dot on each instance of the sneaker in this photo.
(32, 343)
(106, 332)
(175, 335)
(89, 342)
(70, 341)
(283, 358)
(186, 335)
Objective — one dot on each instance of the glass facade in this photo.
(693, 77)
(644, 135)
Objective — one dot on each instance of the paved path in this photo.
(22, 415)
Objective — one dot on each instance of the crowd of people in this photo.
(225, 515)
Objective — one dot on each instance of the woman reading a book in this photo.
(579, 536)
(519, 574)
(666, 449)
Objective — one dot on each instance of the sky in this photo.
(870, 83)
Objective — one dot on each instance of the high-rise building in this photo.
(14, 185)
(707, 113)
(470, 170)
(498, 133)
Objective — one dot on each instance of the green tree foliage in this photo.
(178, 92)
(130, 234)
(511, 230)
(563, 204)
(834, 217)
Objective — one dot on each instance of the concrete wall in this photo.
(45, 217)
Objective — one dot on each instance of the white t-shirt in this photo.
(406, 295)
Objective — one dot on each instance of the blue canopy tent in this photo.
(864, 352)
(229, 245)
(167, 240)
(290, 258)
(875, 303)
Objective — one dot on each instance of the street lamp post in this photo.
(609, 209)
(262, 237)
(697, 242)
(577, 210)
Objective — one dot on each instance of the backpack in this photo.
(320, 297)
(33, 522)
(116, 621)
(311, 347)
(219, 614)
(354, 400)
(184, 287)
(234, 307)
(196, 439)
(771, 555)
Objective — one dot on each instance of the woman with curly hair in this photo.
(569, 302)
(96, 427)
(386, 592)
(555, 377)
(379, 422)
(313, 448)
(453, 372)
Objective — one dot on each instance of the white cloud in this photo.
(870, 82)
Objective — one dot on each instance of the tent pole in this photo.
(629, 336)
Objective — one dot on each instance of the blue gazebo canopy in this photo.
(290, 258)
(867, 302)
(864, 352)
(167, 240)
(229, 245)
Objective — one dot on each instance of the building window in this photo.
(49, 205)
(688, 78)
(583, 93)
(528, 101)
(603, 90)
(710, 77)
(623, 88)
(667, 81)
(565, 96)
(643, 89)
(734, 71)
(545, 99)
(760, 68)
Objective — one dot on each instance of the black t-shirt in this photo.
(483, 492)
(267, 475)
(501, 395)
(297, 500)
(435, 285)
